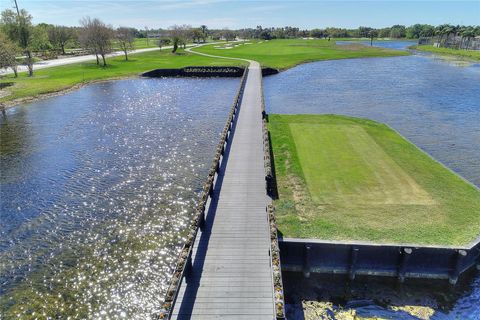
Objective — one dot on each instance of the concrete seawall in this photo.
(400, 261)
(194, 71)
(204, 72)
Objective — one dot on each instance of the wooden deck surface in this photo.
(231, 276)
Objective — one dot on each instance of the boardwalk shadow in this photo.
(274, 187)
(192, 280)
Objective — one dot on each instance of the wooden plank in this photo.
(251, 300)
(226, 317)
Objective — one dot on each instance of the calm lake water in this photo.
(96, 188)
(434, 102)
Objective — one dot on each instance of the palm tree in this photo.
(439, 33)
(372, 34)
(468, 33)
(204, 31)
(443, 30)
(456, 31)
(447, 30)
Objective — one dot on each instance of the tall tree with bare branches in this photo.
(179, 35)
(125, 39)
(96, 36)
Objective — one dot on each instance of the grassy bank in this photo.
(138, 43)
(472, 54)
(141, 43)
(60, 78)
(342, 178)
(283, 54)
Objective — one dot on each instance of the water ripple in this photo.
(97, 187)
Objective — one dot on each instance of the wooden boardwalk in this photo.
(231, 276)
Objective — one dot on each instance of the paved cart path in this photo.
(70, 60)
(231, 276)
(89, 57)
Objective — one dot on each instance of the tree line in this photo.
(415, 31)
(20, 38)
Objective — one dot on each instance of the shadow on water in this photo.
(335, 297)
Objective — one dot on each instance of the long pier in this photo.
(228, 269)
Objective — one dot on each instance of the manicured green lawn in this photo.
(141, 43)
(59, 78)
(283, 54)
(342, 178)
(473, 54)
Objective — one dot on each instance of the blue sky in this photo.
(239, 14)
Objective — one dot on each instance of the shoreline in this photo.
(444, 52)
(8, 103)
(6, 77)
(13, 103)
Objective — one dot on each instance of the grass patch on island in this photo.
(284, 54)
(343, 178)
(55, 79)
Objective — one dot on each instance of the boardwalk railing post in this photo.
(461, 254)
(353, 262)
(306, 260)
(202, 221)
(210, 190)
(189, 267)
(405, 254)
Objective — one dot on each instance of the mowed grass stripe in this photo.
(342, 178)
(365, 173)
(287, 53)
